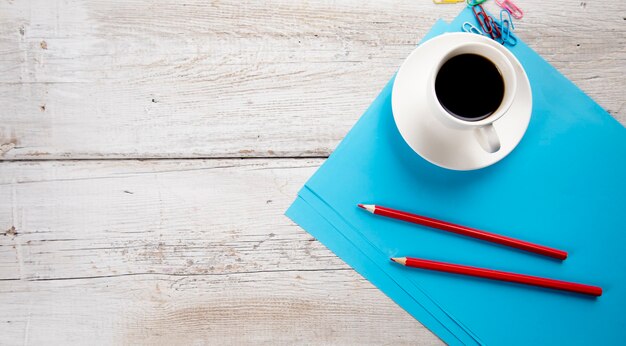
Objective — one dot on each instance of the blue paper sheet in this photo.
(563, 187)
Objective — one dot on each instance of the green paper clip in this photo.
(472, 3)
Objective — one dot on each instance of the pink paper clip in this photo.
(511, 7)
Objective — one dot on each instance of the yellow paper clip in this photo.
(447, 1)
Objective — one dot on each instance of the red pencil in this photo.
(499, 275)
(466, 231)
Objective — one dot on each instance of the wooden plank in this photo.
(321, 307)
(169, 251)
(146, 79)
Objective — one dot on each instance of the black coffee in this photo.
(469, 87)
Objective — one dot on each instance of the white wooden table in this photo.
(150, 148)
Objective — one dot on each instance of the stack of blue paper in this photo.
(564, 186)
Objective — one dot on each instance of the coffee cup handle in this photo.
(488, 138)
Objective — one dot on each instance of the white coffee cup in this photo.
(483, 129)
(490, 102)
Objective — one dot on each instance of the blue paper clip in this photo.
(469, 27)
(509, 39)
(509, 19)
(506, 27)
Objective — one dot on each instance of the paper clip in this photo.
(447, 1)
(506, 27)
(507, 37)
(511, 7)
(486, 22)
(482, 18)
(496, 33)
(469, 27)
(509, 19)
(471, 3)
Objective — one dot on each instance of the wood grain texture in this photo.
(198, 251)
(168, 251)
(164, 79)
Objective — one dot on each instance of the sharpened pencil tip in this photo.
(393, 260)
(399, 260)
(368, 207)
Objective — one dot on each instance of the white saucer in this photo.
(441, 145)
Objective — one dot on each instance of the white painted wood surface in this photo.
(192, 251)
(154, 78)
(172, 251)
